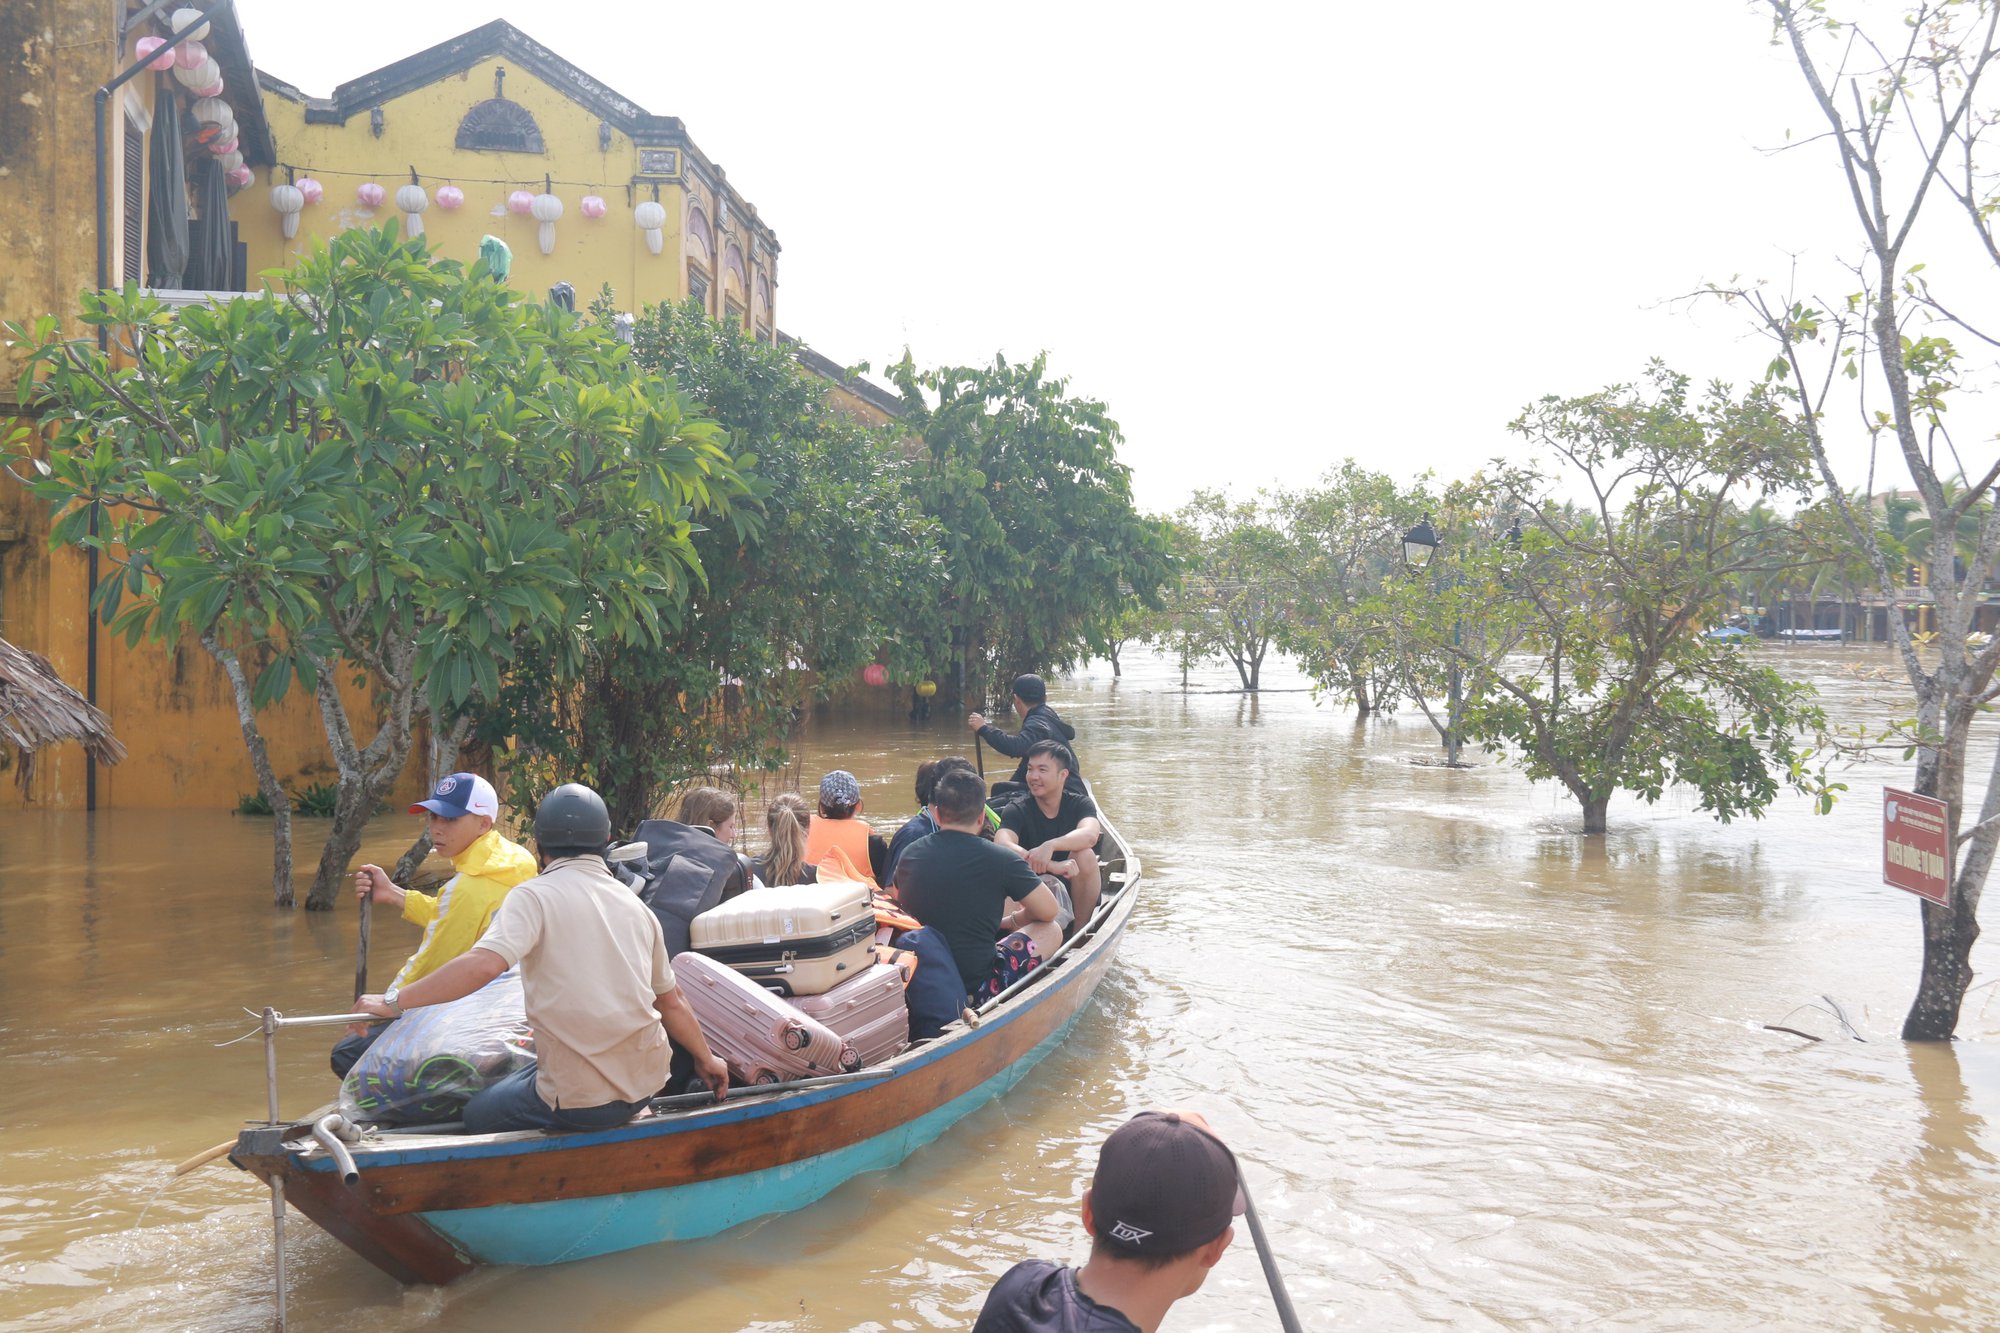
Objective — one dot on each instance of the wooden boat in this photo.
(431, 1206)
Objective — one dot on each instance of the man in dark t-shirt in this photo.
(1056, 827)
(971, 891)
(1159, 1213)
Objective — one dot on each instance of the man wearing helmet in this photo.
(599, 991)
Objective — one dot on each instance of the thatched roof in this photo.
(37, 709)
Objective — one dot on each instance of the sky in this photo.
(1268, 236)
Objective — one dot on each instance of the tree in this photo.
(396, 472)
(1240, 578)
(1034, 513)
(1346, 535)
(842, 571)
(1907, 122)
(1623, 690)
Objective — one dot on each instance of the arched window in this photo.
(500, 126)
(700, 241)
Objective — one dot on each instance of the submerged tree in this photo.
(1239, 580)
(396, 473)
(1908, 115)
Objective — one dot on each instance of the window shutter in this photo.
(135, 204)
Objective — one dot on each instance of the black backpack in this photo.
(687, 871)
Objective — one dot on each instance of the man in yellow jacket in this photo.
(461, 813)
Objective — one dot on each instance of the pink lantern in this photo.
(371, 195)
(160, 63)
(875, 674)
(222, 148)
(241, 177)
(311, 189)
(521, 202)
(189, 54)
(593, 206)
(450, 197)
(212, 90)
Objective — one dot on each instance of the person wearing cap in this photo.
(461, 812)
(1160, 1212)
(1039, 722)
(599, 991)
(836, 825)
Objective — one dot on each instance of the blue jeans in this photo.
(513, 1103)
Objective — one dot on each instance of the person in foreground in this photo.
(461, 813)
(599, 991)
(1159, 1212)
(970, 890)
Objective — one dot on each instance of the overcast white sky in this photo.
(1268, 236)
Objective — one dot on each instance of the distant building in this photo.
(478, 119)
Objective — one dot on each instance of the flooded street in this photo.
(1482, 1073)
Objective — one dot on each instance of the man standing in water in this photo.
(461, 813)
(1159, 1215)
(599, 991)
(1039, 722)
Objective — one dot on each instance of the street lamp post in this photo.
(1420, 544)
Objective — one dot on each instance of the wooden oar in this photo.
(361, 948)
(1288, 1318)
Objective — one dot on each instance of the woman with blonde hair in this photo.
(786, 820)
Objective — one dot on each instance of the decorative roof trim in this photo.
(826, 368)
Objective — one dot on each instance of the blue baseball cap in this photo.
(461, 794)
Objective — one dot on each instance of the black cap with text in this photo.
(1163, 1186)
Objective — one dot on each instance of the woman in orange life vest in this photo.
(835, 824)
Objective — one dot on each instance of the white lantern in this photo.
(288, 200)
(651, 216)
(204, 75)
(185, 18)
(230, 161)
(413, 201)
(215, 118)
(547, 208)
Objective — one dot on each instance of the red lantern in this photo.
(875, 674)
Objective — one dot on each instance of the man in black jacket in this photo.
(1039, 722)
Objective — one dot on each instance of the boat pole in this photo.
(1288, 1318)
(277, 1181)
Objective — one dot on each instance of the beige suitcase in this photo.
(795, 939)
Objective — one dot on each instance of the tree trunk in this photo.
(1593, 813)
(366, 774)
(1949, 933)
(1357, 685)
(274, 793)
(351, 810)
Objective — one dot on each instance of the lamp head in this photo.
(1419, 545)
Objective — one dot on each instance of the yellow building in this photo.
(492, 133)
(470, 123)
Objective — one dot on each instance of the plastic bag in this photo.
(428, 1063)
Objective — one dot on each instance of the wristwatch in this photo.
(389, 998)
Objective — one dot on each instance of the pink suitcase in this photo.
(867, 1011)
(759, 1035)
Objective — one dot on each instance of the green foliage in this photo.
(1238, 586)
(395, 470)
(840, 572)
(1040, 541)
(319, 800)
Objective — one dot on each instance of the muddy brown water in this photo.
(1483, 1073)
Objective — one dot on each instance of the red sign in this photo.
(1916, 845)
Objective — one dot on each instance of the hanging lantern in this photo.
(187, 18)
(160, 63)
(214, 121)
(215, 89)
(547, 209)
(413, 201)
(241, 177)
(651, 216)
(371, 195)
(221, 146)
(875, 674)
(288, 200)
(926, 689)
(190, 54)
(311, 189)
(593, 206)
(521, 202)
(230, 161)
(450, 197)
(204, 75)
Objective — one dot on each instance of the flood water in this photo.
(1482, 1073)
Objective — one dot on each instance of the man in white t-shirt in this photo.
(599, 991)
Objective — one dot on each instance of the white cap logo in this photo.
(447, 787)
(1128, 1233)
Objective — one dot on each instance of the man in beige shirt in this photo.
(599, 991)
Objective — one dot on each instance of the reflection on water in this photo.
(1484, 1073)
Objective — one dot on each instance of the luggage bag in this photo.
(760, 1036)
(868, 1012)
(797, 939)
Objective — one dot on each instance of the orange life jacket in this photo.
(823, 835)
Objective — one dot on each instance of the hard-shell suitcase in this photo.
(761, 1037)
(868, 1012)
(797, 939)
